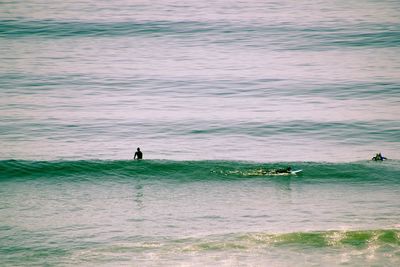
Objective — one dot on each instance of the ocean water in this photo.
(216, 94)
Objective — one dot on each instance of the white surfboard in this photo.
(295, 172)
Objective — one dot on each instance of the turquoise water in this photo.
(215, 93)
(198, 213)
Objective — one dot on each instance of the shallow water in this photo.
(199, 213)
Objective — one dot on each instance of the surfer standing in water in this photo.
(138, 154)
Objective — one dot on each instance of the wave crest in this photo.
(364, 171)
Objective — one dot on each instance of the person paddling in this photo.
(286, 170)
(138, 154)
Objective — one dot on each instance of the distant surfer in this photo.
(280, 171)
(138, 154)
(379, 157)
(286, 170)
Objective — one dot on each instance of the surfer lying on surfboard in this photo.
(263, 172)
(281, 171)
(285, 170)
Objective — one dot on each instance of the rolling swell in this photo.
(363, 171)
(12, 83)
(52, 28)
(365, 35)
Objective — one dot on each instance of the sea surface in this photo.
(218, 95)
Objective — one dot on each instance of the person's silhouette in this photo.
(138, 154)
(379, 157)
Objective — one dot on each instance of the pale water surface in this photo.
(213, 92)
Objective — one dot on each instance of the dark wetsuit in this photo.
(379, 158)
(287, 170)
(138, 155)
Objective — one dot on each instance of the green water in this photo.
(218, 95)
(200, 213)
